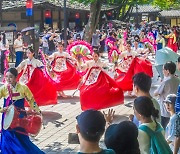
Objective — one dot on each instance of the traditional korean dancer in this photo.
(16, 140)
(98, 90)
(31, 74)
(65, 71)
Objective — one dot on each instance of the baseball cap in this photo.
(171, 98)
(122, 137)
(91, 122)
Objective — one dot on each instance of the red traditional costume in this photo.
(65, 75)
(99, 90)
(172, 42)
(44, 91)
(124, 79)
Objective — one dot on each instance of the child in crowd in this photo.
(90, 128)
(168, 86)
(170, 129)
(141, 87)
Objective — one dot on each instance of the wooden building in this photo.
(150, 13)
(171, 17)
(14, 12)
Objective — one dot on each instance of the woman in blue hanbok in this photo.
(16, 140)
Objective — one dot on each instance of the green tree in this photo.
(124, 7)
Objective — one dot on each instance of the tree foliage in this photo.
(163, 4)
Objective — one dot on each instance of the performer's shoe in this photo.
(62, 94)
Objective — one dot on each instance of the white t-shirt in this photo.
(18, 43)
(168, 86)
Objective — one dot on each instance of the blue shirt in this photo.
(170, 129)
(177, 104)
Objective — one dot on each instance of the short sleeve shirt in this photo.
(168, 86)
(104, 151)
(18, 43)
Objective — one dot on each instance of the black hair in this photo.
(4, 38)
(96, 52)
(13, 71)
(142, 81)
(170, 66)
(18, 34)
(129, 42)
(144, 106)
(136, 37)
(92, 137)
(111, 33)
(122, 138)
(178, 59)
(49, 28)
(60, 43)
(114, 34)
(31, 49)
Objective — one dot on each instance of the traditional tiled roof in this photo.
(146, 9)
(170, 13)
(7, 5)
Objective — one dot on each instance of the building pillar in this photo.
(42, 19)
(59, 20)
(51, 25)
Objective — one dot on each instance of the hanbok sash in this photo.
(26, 75)
(60, 64)
(93, 75)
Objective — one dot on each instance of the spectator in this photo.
(177, 134)
(18, 46)
(90, 128)
(96, 39)
(27, 39)
(4, 46)
(161, 41)
(143, 89)
(102, 43)
(150, 137)
(122, 138)
(51, 43)
(168, 86)
(170, 129)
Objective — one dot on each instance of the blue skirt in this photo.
(15, 141)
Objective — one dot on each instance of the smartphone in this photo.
(73, 138)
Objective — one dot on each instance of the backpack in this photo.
(158, 144)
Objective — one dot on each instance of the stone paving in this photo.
(60, 120)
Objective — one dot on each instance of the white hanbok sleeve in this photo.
(21, 65)
(39, 63)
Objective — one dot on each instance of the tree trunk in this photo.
(127, 13)
(127, 16)
(0, 13)
(95, 9)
